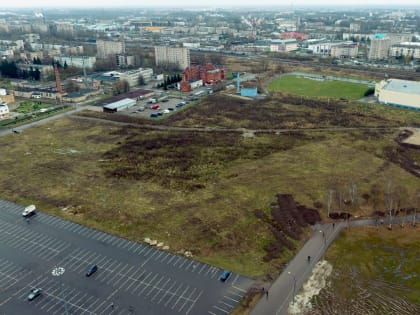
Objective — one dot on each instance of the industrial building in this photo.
(400, 93)
(119, 105)
(285, 45)
(179, 56)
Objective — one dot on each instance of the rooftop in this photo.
(404, 86)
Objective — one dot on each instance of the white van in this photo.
(29, 210)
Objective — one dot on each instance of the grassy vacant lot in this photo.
(375, 271)
(314, 88)
(198, 190)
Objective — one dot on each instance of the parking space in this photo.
(144, 108)
(132, 278)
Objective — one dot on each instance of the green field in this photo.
(375, 270)
(314, 88)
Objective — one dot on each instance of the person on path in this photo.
(266, 294)
(333, 225)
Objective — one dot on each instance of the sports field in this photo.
(317, 88)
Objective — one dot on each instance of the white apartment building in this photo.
(77, 61)
(411, 49)
(174, 55)
(344, 50)
(106, 48)
(132, 76)
(379, 47)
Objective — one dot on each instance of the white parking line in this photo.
(221, 309)
(180, 297)
(157, 293)
(187, 300)
(155, 286)
(195, 301)
(167, 292)
(166, 256)
(148, 284)
(204, 266)
(173, 294)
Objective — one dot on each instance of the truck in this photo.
(29, 211)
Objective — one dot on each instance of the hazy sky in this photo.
(209, 3)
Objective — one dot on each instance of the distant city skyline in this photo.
(213, 3)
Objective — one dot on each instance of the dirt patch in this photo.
(287, 222)
(410, 137)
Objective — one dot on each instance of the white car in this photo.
(29, 210)
(166, 111)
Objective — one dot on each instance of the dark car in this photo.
(154, 115)
(91, 270)
(34, 293)
(225, 275)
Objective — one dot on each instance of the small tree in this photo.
(140, 80)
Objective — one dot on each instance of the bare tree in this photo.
(330, 195)
(389, 200)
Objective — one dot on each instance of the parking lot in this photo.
(53, 254)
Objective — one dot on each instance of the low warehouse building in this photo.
(120, 105)
(400, 93)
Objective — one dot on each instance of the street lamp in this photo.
(294, 285)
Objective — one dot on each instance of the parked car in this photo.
(156, 106)
(34, 293)
(225, 275)
(171, 108)
(91, 270)
(166, 111)
(29, 211)
(154, 115)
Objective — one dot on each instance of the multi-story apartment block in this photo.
(379, 47)
(344, 50)
(107, 48)
(172, 55)
(405, 49)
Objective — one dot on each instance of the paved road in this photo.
(54, 254)
(299, 269)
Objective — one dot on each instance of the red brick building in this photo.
(209, 74)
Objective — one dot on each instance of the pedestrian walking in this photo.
(333, 225)
(112, 306)
(266, 294)
(28, 221)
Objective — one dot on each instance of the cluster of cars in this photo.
(160, 112)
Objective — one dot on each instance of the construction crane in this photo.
(58, 82)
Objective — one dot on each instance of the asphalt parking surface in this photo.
(132, 278)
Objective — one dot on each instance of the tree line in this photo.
(11, 70)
